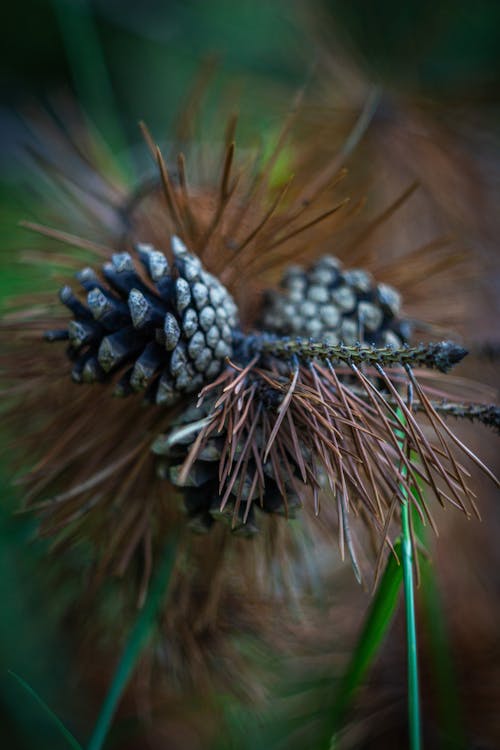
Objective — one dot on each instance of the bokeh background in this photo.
(124, 61)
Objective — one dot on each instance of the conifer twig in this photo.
(440, 356)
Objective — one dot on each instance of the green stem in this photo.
(411, 631)
(411, 627)
(134, 647)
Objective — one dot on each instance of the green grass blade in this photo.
(375, 628)
(133, 647)
(448, 703)
(449, 709)
(54, 719)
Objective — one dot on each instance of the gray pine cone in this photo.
(168, 332)
(336, 306)
(201, 488)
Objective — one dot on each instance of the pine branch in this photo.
(440, 356)
(486, 414)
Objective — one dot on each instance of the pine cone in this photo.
(202, 500)
(335, 306)
(172, 332)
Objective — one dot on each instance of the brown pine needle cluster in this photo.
(314, 427)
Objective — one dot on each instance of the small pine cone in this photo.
(337, 306)
(200, 489)
(168, 334)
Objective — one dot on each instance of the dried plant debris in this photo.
(279, 416)
(269, 434)
(262, 396)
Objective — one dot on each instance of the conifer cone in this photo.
(335, 305)
(200, 488)
(166, 335)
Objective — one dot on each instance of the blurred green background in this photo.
(126, 61)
